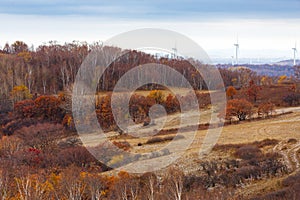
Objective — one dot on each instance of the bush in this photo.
(78, 156)
(154, 140)
(265, 142)
(292, 99)
(292, 141)
(164, 139)
(246, 172)
(122, 145)
(248, 152)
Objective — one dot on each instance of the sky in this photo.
(264, 28)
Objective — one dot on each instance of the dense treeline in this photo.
(36, 86)
(52, 67)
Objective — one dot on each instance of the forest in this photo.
(41, 156)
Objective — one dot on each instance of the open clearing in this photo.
(281, 128)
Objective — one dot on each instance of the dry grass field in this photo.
(282, 128)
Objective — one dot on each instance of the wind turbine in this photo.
(175, 51)
(295, 51)
(237, 46)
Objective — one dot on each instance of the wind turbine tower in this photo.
(175, 51)
(237, 46)
(295, 51)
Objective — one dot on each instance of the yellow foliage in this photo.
(55, 179)
(234, 81)
(104, 192)
(263, 80)
(84, 175)
(115, 160)
(281, 79)
(157, 96)
(19, 93)
(25, 55)
(123, 174)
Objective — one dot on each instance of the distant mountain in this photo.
(265, 69)
(287, 62)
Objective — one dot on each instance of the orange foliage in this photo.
(265, 109)
(47, 107)
(253, 90)
(240, 108)
(231, 91)
(172, 104)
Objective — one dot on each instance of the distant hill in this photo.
(287, 62)
(277, 69)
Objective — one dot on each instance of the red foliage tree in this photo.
(231, 91)
(24, 108)
(172, 104)
(104, 112)
(253, 91)
(265, 109)
(48, 107)
(240, 108)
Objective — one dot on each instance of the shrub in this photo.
(154, 140)
(164, 139)
(292, 99)
(122, 145)
(248, 152)
(246, 172)
(78, 156)
(42, 136)
(265, 142)
(292, 140)
(266, 109)
(240, 108)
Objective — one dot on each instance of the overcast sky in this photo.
(265, 28)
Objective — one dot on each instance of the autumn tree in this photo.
(68, 122)
(231, 91)
(244, 76)
(157, 95)
(297, 71)
(292, 99)
(104, 112)
(9, 146)
(42, 136)
(4, 186)
(150, 186)
(282, 79)
(48, 107)
(96, 186)
(173, 184)
(73, 186)
(32, 187)
(19, 93)
(19, 46)
(265, 109)
(253, 90)
(126, 187)
(172, 104)
(240, 108)
(139, 107)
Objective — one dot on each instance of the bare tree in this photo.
(73, 187)
(173, 184)
(95, 186)
(150, 186)
(4, 190)
(31, 188)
